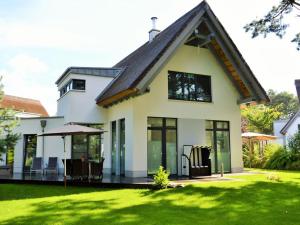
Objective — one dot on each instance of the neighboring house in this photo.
(182, 87)
(25, 107)
(284, 129)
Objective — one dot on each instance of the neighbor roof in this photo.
(289, 123)
(23, 105)
(95, 71)
(141, 66)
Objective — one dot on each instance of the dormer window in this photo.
(74, 84)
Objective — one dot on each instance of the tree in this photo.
(8, 121)
(260, 118)
(284, 102)
(273, 21)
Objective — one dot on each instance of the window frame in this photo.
(69, 86)
(185, 76)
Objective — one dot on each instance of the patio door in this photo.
(29, 151)
(162, 144)
(218, 136)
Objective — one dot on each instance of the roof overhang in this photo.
(222, 47)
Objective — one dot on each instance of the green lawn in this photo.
(250, 199)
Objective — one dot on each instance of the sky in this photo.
(39, 39)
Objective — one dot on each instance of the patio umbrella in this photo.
(70, 129)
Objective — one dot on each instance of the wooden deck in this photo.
(108, 181)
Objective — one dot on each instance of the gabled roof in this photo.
(23, 105)
(94, 71)
(141, 66)
(289, 123)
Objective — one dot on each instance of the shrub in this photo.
(294, 143)
(279, 159)
(161, 178)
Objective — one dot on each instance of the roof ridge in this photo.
(22, 98)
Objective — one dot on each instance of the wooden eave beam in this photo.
(115, 98)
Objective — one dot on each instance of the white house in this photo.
(25, 108)
(182, 87)
(285, 129)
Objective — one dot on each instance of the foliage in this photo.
(294, 143)
(161, 178)
(8, 121)
(260, 118)
(257, 159)
(273, 21)
(284, 102)
(279, 160)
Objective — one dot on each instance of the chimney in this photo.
(153, 32)
(297, 84)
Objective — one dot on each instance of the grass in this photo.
(249, 199)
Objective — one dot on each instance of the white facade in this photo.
(292, 129)
(156, 104)
(277, 126)
(80, 107)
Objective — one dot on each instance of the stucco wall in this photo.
(53, 146)
(293, 129)
(277, 126)
(156, 104)
(80, 106)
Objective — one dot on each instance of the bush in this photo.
(161, 178)
(255, 159)
(294, 143)
(279, 159)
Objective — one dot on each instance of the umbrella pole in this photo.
(65, 161)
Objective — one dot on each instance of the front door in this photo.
(162, 144)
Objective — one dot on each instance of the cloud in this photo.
(23, 76)
(27, 64)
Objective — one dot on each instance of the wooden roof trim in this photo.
(123, 94)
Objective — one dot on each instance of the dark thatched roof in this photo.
(137, 66)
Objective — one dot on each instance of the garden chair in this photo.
(52, 165)
(37, 165)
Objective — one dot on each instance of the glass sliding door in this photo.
(122, 147)
(162, 144)
(154, 153)
(113, 147)
(171, 151)
(223, 150)
(29, 151)
(212, 156)
(218, 136)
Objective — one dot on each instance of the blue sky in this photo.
(40, 39)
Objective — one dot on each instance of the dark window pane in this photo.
(114, 147)
(78, 84)
(188, 86)
(209, 124)
(155, 122)
(171, 123)
(79, 148)
(222, 125)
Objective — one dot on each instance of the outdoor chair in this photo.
(37, 165)
(97, 169)
(199, 162)
(52, 165)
